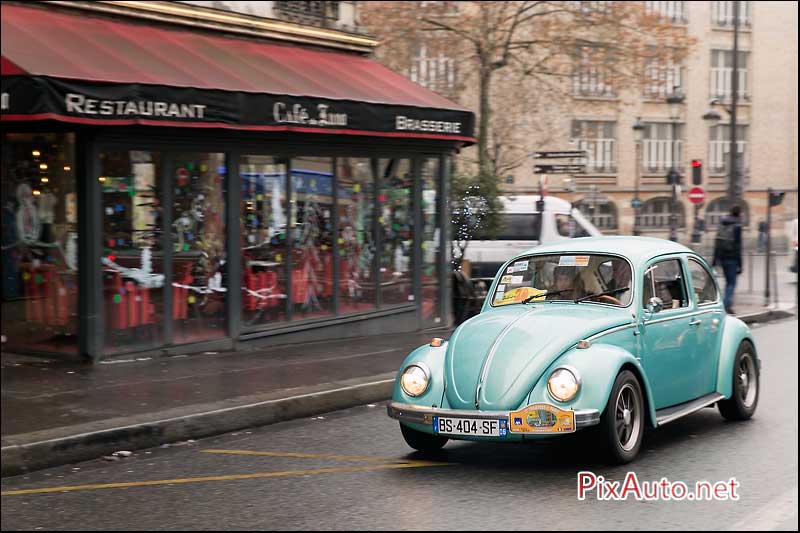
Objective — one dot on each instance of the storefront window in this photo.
(395, 220)
(132, 260)
(263, 231)
(39, 243)
(312, 237)
(430, 241)
(356, 240)
(199, 284)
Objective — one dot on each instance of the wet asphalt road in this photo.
(351, 470)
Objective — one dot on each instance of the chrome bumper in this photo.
(415, 414)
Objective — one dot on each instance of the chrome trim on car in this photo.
(416, 414)
(686, 315)
(610, 331)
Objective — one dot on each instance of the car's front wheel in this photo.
(423, 442)
(742, 403)
(622, 423)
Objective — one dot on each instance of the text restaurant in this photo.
(179, 189)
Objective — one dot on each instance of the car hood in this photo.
(513, 346)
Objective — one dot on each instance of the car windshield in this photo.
(591, 278)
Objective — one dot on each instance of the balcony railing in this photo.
(313, 13)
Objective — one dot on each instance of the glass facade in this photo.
(318, 238)
(39, 243)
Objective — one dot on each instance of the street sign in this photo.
(559, 169)
(560, 154)
(636, 203)
(697, 195)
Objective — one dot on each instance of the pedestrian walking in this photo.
(728, 252)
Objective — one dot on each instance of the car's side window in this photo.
(665, 280)
(703, 283)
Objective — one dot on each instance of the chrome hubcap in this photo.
(628, 417)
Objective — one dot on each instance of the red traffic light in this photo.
(697, 163)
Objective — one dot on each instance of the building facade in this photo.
(178, 177)
(598, 119)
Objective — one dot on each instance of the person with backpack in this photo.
(728, 252)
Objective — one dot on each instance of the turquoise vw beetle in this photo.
(611, 332)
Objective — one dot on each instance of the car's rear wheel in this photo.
(742, 403)
(423, 442)
(622, 423)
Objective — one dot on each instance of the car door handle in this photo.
(694, 322)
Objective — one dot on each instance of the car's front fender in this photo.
(433, 358)
(733, 333)
(598, 367)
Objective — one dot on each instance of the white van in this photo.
(523, 228)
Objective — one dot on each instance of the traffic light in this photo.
(673, 178)
(697, 172)
(776, 198)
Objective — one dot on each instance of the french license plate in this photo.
(478, 427)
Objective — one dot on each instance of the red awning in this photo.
(86, 55)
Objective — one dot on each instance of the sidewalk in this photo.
(56, 412)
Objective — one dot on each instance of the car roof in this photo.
(637, 249)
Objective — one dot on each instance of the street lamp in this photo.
(675, 101)
(713, 118)
(638, 134)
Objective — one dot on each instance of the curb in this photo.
(32, 452)
(767, 315)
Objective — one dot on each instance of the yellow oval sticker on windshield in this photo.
(520, 294)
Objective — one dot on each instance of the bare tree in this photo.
(540, 44)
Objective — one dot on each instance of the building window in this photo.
(721, 207)
(722, 14)
(40, 243)
(396, 230)
(356, 208)
(722, 75)
(601, 212)
(311, 221)
(719, 149)
(662, 147)
(597, 138)
(673, 11)
(655, 213)
(591, 74)
(313, 13)
(661, 78)
(263, 239)
(437, 73)
(595, 7)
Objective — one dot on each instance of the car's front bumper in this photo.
(416, 414)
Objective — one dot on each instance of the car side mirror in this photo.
(655, 305)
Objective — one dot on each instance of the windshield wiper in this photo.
(545, 294)
(606, 293)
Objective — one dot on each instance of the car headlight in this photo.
(415, 379)
(564, 383)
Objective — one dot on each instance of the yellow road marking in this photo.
(414, 464)
(311, 456)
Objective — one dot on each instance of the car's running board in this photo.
(669, 414)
